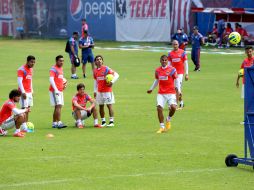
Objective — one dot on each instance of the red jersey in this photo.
(177, 59)
(26, 73)
(247, 63)
(57, 73)
(166, 77)
(6, 110)
(81, 100)
(228, 31)
(99, 75)
(242, 32)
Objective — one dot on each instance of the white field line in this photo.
(58, 181)
(164, 49)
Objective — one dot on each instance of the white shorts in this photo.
(84, 115)
(105, 98)
(162, 99)
(56, 99)
(8, 123)
(242, 94)
(180, 79)
(28, 102)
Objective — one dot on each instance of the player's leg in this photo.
(171, 101)
(179, 96)
(160, 105)
(102, 114)
(91, 60)
(193, 58)
(19, 121)
(77, 116)
(111, 115)
(95, 117)
(84, 61)
(73, 68)
(197, 55)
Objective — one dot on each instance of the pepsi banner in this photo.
(142, 20)
(100, 16)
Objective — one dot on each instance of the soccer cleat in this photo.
(111, 124)
(80, 126)
(74, 77)
(61, 126)
(84, 75)
(103, 124)
(97, 126)
(54, 126)
(161, 130)
(19, 134)
(168, 125)
(3, 132)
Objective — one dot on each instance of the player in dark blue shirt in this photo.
(181, 37)
(196, 40)
(221, 29)
(86, 43)
(73, 53)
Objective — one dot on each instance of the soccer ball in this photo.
(234, 38)
(241, 72)
(64, 82)
(30, 126)
(109, 78)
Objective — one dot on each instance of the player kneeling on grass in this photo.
(103, 89)
(165, 76)
(11, 117)
(80, 111)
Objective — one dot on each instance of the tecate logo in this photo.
(81, 9)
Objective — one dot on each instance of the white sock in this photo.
(59, 122)
(54, 123)
(162, 125)
(23, 126)
(95, 121)
(79, 121)
(111, 119)
(103, 119)
(181, 102)
(17, 131)
(168, 118)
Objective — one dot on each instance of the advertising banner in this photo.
(100, 16)
(142, 20)
(6, 18)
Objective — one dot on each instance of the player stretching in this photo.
(80, 111)
(178, 59)
(56, 91)
(10, 116)
(165, 76)
(25, 74)
(247, 62)
(103, 90)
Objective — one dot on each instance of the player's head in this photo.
(164, 60)
(215, 25)
(75, 35)
(81, 88)
(83, 21)
(85, 33)
(30, 61)
(195, 29)
(98, 60)
(59, 60)
(228, 25)
(175, 44)
(249, 51)
(179, 31)
(15, 95)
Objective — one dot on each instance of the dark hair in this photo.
(85, 31)
(75, 33)
(80, 85)
(98, 56)
(14, 93)
(229, 25)
(83, 19)
(58, 57)
(248, 47)
(30, 57)
(163, 57)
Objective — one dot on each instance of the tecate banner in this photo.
(100, 15)
(142, 20)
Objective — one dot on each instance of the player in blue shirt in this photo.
(196, 40)
(86, 43)
(181, 37)
(221, 29)
(73, 53)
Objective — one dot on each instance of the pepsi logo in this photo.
(76, 9)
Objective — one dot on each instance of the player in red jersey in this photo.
(25, 74)
(80, 111)
(103, 90)
(247, 62)
(165, 76)
(56, 91)
(11, 117)
(178, 59)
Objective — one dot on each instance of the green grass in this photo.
(130, 155)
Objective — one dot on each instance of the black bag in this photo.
(67, 47)
(76, 61)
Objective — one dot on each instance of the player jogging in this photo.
(25, 74)
(165, 76)
(86, 43)
(80, 111)
(11, 117)
(197, 40)
(178, 59)
(103, 90)
(247, 62)
(56, 91)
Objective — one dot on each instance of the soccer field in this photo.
(129, 156)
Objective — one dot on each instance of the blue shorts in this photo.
(71, 57)
(87, 58)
